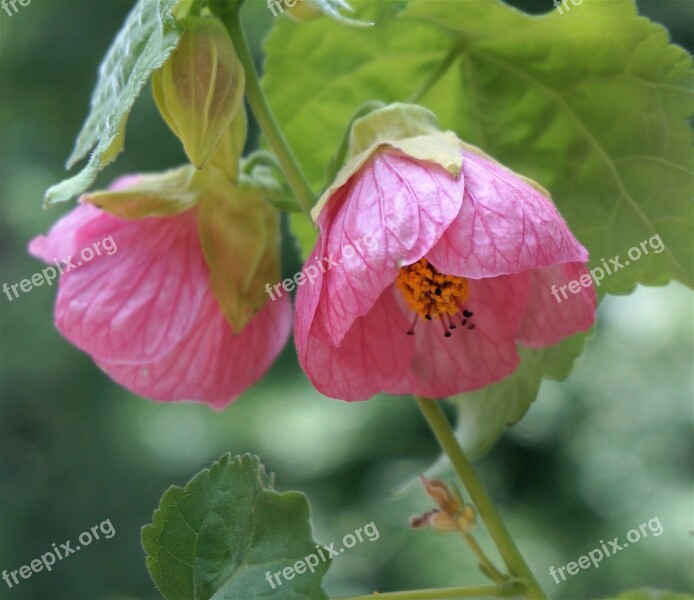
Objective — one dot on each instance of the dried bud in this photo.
(200, 87)
(441, 494)
(467, 519)
(440, 521)
(424, 520)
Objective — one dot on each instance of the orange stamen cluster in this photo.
(430, 293)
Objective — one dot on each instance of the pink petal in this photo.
(470, 359)
(375, 353)
(212, 364)
(139, 302)
(307, 297)
(504, 226)
(61, 240)
(547, 321)
(402, 207)
(123, 182)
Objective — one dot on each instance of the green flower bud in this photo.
(240, 238)
(200, 87)
(230, 147)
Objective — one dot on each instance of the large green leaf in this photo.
(147, 38)
(219, 536)
(592, 103)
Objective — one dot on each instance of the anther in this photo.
(446, 333)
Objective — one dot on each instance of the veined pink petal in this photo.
(307, 297)
(212, 364)
(61, 241)
(504, 226)
(374, 355)
(401, 207)
(547, 321)
(470, 359)
(138, 303)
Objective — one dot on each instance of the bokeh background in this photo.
(597, 455)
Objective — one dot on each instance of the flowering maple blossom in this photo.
(461, 275)
(147, 313)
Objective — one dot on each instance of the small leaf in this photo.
(147, 38)
(219, 536)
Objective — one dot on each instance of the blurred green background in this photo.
(596, 455)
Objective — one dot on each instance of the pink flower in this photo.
(473, 257)
(146, 312)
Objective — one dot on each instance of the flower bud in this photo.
(200, 87)
(230, 147)
(467, 519)
(441, 494)
(240, 239)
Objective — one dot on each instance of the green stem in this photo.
(263, 114)
(260, 157)
(497, 530)
(482, 557)
(476, 591)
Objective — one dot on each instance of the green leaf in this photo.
(147, 38)
(592, 103)
(652, 594)
(304, 231)
(219, 536)
(484, 414)
(335, 8)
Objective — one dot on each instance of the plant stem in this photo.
(263, 114)
(476, 591)
(482, 557)
(507, 547)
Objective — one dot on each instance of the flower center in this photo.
(431, 294)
